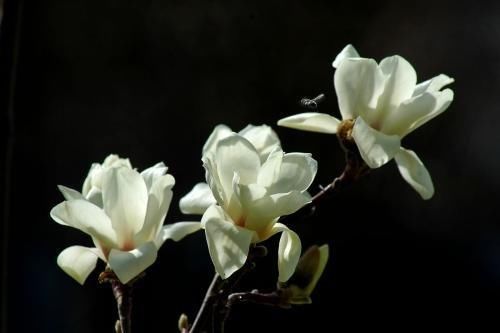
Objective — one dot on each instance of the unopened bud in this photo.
(183, 323)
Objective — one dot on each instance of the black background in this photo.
(149, 80)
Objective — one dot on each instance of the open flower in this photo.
(381, 104)
(262, 137)
(125, 223)
(251, 196)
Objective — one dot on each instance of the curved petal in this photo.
(212, 178)
(263, 138)
(296, 173)
(125, 199)
(78, 262)
(228, 244)
(359, 83)
(376, 148)
(95, 196)
(94, 177)
(88, 183)
(347, 52)
(432, 85)
(400, 82)
(220, 132)
(87, 217)
(159, 200)
(150, 175)
(442, 101)
(415, 173)
(197, 200)
(416, 111)
(127, 265)
(69, 193)
(260, 214)
(176, 231)
(236, 154)
(264, 212)
(311, 121)
(288, 251)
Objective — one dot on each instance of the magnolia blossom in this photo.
(123, 212)
(386, 104)
(251, 196)
(262, 137)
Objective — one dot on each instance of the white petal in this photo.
(159, 200)
(220, 132)
(94, 177)
(376, 148)
(236, 154)
(228, 244)
(89, 181)
(128, 265)
(267, 210)
(415, 173)
(125, 199)
(347, 52)
(86, 217)
(359, 83)
(442, 100)
(78, 262)
(400, 82)
(288, 251)
(95, 196)
(416, 111)
(263, 138)
(212, 178)
(432, 85)
(197, 200)
(296, 173)
(150, 175)
(270, 170)
(69, 193)
(176, 231)
(311, 121)
(115, 161)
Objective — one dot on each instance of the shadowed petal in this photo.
(376, 148)
(176, 231)
(228, 244)
(197, 200)
(415, 173)
(78, 262)
(128, 265)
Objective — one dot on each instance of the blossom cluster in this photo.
(250, 182)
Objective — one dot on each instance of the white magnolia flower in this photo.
(251, 196)
(262, 137)
(386, 104)
(126, 226)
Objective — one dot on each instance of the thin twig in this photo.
(211, 292)
(273, 299)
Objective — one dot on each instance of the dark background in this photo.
(149, 80)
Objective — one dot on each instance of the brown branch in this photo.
(219, 290)
(123, 296)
